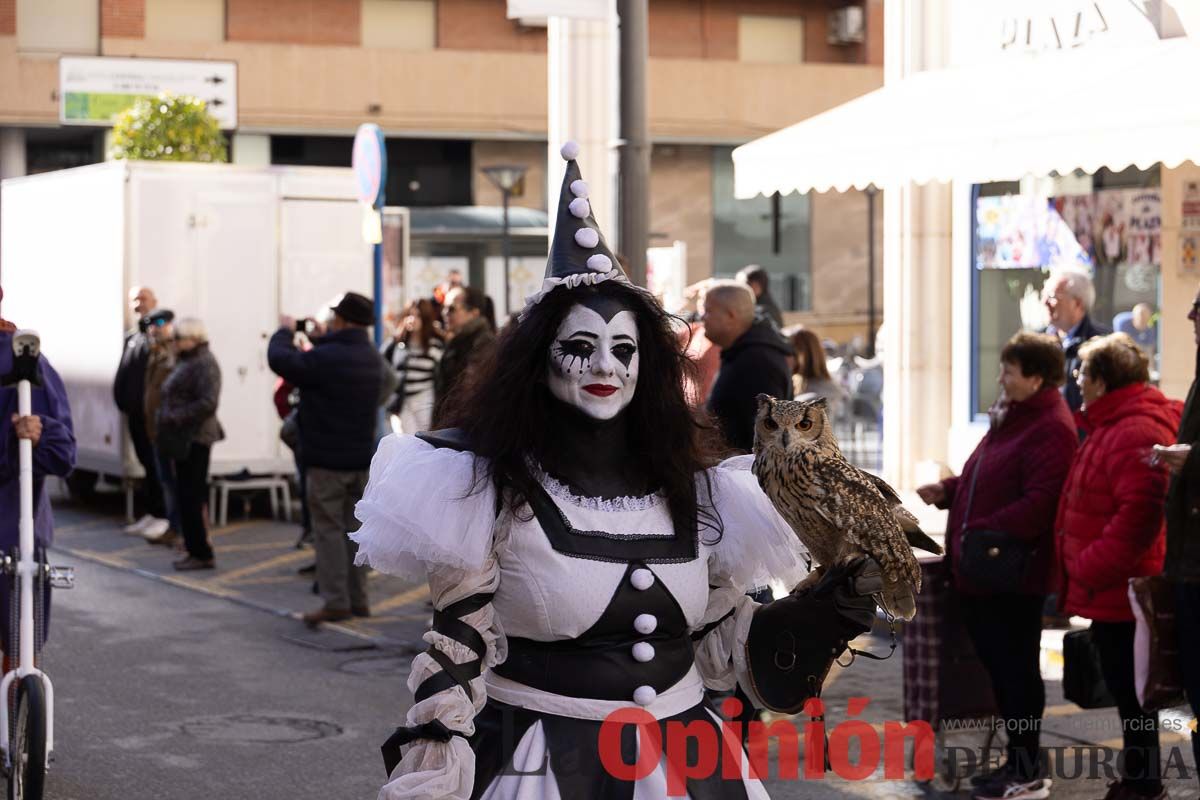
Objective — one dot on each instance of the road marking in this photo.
(248, 547)
(278, 561)
(269, 579)
(404, 598)
(234, 528)
(103, 558)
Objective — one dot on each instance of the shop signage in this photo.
(1189, 229)
(535, 12)
(91, 90)
(1053, 31)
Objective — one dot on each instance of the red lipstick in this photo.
(600, 389)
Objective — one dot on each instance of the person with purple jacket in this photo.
(1012, 483)
(49, 428)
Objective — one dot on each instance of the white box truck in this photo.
(235, 246)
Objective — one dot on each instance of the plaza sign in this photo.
(91, 90)
(985, 31)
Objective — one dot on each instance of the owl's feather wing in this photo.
(908, 523)
(877, 529)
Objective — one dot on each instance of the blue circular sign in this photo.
(370, 164)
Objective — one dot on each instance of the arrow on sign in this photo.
(215, 79)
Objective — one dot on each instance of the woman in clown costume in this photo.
(587, 554)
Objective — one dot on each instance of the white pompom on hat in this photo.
(600, 263)
(579, 188)
(580, 207)
(569, 151)
(586, 237)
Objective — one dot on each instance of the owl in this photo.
(837, 511)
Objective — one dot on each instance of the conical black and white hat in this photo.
(579, 256)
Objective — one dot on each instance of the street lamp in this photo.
(505, 177)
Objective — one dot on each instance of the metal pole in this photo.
(634, 193)
(26, 567)
(871, 191)
(378, 261)
(507, 248)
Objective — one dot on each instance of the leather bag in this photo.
(1156, 672)
(990, 560)
(1083, 681)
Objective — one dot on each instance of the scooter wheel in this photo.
(27, 742)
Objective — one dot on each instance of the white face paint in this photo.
(593, 363)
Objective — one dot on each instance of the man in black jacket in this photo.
(759, 281)
(754, 360)
(129, 392)
(1069, 296)
(340, 381)
(1182, 565)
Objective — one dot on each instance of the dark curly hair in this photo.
(503, 411)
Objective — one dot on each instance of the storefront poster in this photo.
(1018, 232)
(1144, 237)
(1103, 229)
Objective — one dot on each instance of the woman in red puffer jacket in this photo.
(1110, 528)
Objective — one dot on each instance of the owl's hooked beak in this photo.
(786, 439)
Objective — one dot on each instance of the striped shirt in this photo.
(415, 366)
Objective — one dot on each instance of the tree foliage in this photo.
(168, 128)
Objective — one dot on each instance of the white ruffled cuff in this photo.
(757, 545)
(433, 771)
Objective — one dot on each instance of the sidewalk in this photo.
(257, 563)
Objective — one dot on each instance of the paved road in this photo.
(208, 687)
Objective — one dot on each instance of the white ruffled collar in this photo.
(561, 491)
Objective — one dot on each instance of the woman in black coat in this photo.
(187, 430)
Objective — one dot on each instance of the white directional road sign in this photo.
(91, 90)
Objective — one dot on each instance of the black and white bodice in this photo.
(576, 607)
(598, 599)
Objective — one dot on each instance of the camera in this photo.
(305, 325)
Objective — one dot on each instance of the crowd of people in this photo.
(1073, 476)
(1079, 472)
(168, 386)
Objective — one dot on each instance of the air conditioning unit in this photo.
(846, 25)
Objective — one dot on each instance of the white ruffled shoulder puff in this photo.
(421, 509)
(757, 545)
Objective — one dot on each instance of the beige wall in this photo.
(288, 87)
(839, 265)
(1178, 363)
(529, 154)
(681, 203)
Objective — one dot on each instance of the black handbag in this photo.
(289, 431)
(1083, 681)
(990, 560)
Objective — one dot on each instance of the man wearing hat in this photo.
(339, 381)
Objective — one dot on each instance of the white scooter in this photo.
(27, 733)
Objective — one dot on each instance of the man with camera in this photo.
(339, 381)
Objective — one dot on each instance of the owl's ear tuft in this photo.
(764, 399)
(820, 402)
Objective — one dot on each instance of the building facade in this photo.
(457, 86)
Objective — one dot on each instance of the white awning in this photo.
(1108, 107)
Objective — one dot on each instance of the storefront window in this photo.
(775, 233)
(1107, 225)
